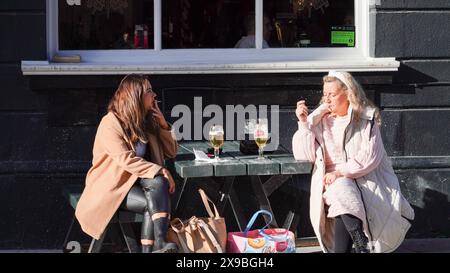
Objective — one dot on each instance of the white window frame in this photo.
(215, 61)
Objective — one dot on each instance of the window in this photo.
(211, 36)
(111, 24)
(309, 23)
(129, 24)
(204, 23)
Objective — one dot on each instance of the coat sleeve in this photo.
(169, 143)
(304, 140)
(368, 157)
(116, 147)
(303, 143)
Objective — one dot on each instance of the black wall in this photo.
(49, 122)
(416, 106)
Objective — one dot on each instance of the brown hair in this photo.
(127, 104)
(356, 96)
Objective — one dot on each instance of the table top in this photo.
(234, 163)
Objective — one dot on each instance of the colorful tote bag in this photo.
(265, 240)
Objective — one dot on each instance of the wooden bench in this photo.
(124, 219)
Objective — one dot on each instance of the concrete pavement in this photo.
(432, 245)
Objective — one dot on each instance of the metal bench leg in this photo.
(115, 234)
(180, 196)
(228, 194)
(263, 199)
(224, 193)
(128, 236)
(274, 183)
(66, 239)
(237, 210)
(289, 218)
(96, 245)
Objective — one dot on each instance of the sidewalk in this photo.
(433, 245)
(436, 245)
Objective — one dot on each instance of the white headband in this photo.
(340, 76)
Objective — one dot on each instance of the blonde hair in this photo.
(355, 95)
(128, 106)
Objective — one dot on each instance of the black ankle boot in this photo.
(147, 248)
(359, 240)
(147, 232)
(161, 226)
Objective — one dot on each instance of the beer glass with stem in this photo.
(216, 138)
(261, 135)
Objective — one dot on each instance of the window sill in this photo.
(161, 66)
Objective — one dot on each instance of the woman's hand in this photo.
(330, 178)
(159, 117)
(165, 173)
(302, 111)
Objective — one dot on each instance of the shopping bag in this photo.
(265, 240)
(200, 234)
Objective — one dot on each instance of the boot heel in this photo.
(168, 248)
(147, 249)
(360, 241)
(161, 244)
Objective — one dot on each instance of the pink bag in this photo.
(265, 240)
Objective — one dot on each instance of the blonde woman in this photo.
(355, 194)
(127, 172)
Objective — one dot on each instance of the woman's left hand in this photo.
(159, 117)
(165, 173)
(329, 178)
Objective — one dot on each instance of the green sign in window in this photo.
(343, 36)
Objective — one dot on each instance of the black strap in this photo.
(372, 122)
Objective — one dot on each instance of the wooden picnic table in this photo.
(279, 165)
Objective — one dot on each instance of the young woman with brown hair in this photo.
(132, 142)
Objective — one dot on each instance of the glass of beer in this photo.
(216, 138)
(261, 135)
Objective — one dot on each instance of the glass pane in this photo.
(105, 24)
(204, 23)
(309, 23)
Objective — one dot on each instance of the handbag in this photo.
(200, 234)
(265, 240)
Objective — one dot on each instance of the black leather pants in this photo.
(344, 226)
(342, 240)
(156, 192)
(148, 196)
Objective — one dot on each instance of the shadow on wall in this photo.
(408, 74)
(433, 219)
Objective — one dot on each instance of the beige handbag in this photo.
(200, 234)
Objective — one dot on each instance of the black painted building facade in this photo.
(49, 122)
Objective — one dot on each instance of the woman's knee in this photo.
(135, 200)
(156, 183)
(157, 193)
(345, 180)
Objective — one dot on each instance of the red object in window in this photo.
(145, 38)
(136, 39)
(141, 36)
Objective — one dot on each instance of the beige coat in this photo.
(115, 168)
(385, 207)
